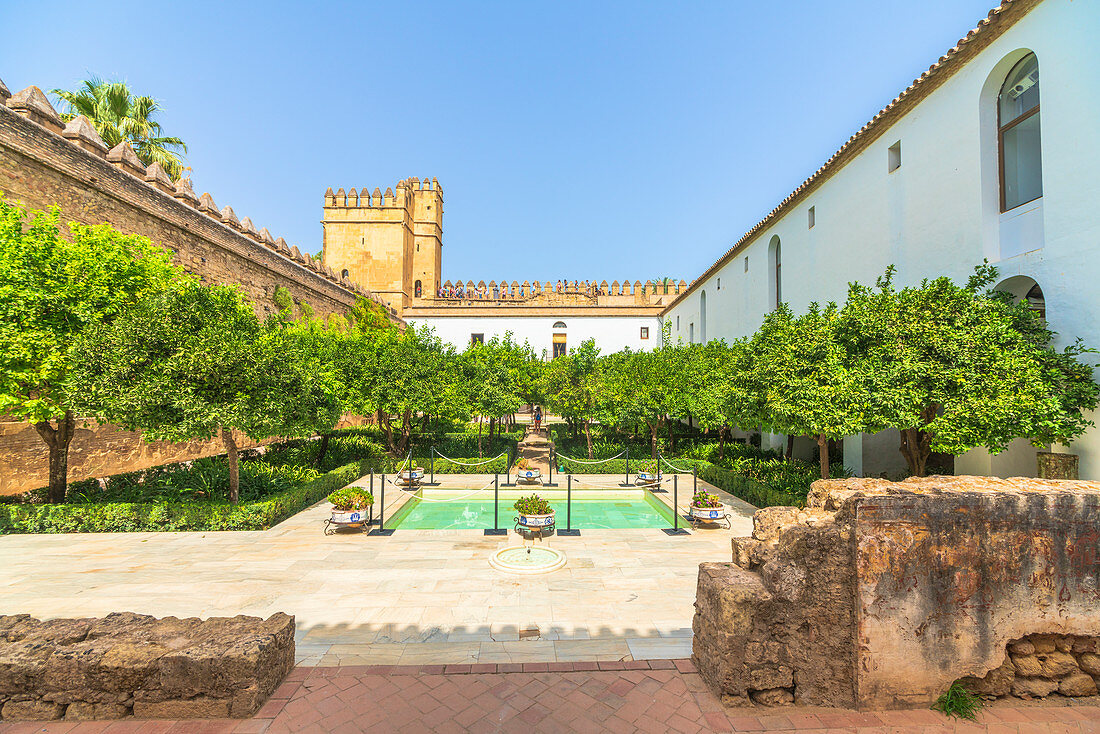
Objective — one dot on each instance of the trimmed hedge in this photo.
(746, 488)
(117, 517)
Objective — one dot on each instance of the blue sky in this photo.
(572, 139)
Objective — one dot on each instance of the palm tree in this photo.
(118, 115)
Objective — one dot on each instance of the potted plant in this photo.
(534, 512)
(410, 475)
(349, 506)
(524, 472)
(647, 475)
(708, 507)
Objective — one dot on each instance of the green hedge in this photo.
(746, 488)
(143, 516)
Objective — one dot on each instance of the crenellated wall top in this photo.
(32, 104)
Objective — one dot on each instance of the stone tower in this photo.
(391, 243)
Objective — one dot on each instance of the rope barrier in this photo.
(597, 461)
(422, 499)
(475, 463)
(673, 466)
(601, 486)
(450, 499)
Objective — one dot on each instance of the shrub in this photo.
(705, 499)
(174, 515)
(351, 498)
(532, 505)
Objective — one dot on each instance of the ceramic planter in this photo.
(709, 514)
(529, 475)
(351, 518)
(644, 477)
(536, 521)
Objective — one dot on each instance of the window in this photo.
(775, 283)
(746, 263)
(691, 333)
(344, 273)
(559, 325)
(719, 285)
(893, 157)
(417, 289)
(645, 332)
(810, 218)
(677, 323)
(559, 345)
(702, 317)
(1018, 135)
(477, 338)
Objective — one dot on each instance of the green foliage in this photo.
(349, 499)
(571, 386)
(958, 702)
(807, 380)
(532, 505)
(52, 290)
(118, 115)
(194, 362)
(282, 299)
(705, 499)
(173, 516)
(954, 367)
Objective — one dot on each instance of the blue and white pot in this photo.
(349, 517)
(644, 477)
(409, 475)
(529, 475)
(536, 521)
(710, 514)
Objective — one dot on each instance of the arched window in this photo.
(559, 325)
(1018, 135)
(417, 289)
(775, 283)
(344, 273)
(703, 317)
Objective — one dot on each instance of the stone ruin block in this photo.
(881, 594)
(134, 664)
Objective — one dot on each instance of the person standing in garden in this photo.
(538, 418)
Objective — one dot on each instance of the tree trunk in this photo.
(790, 446)
(916, 444)
(323, 449)
(671, 437)
(479, 453)
(722, 441)
(652, 440)
(406, 432)
(588, 435)
(57, 440)
(383, 421)
(234, 464)
(823, 454)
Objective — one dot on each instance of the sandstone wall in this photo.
(133, 664)
(881, 594)
(100, 450)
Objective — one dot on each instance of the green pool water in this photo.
(637, 511)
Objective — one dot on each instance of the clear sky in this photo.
(572, 139)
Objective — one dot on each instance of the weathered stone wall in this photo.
(132, 664)
(881, 594)
(100, 450)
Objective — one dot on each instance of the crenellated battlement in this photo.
(81, 139)
(558, 293)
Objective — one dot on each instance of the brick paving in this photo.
(654, 697)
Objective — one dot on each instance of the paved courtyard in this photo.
(415, 597)
(655, 696)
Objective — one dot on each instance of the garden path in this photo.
(415, 597)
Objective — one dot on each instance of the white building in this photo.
(963, 166)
